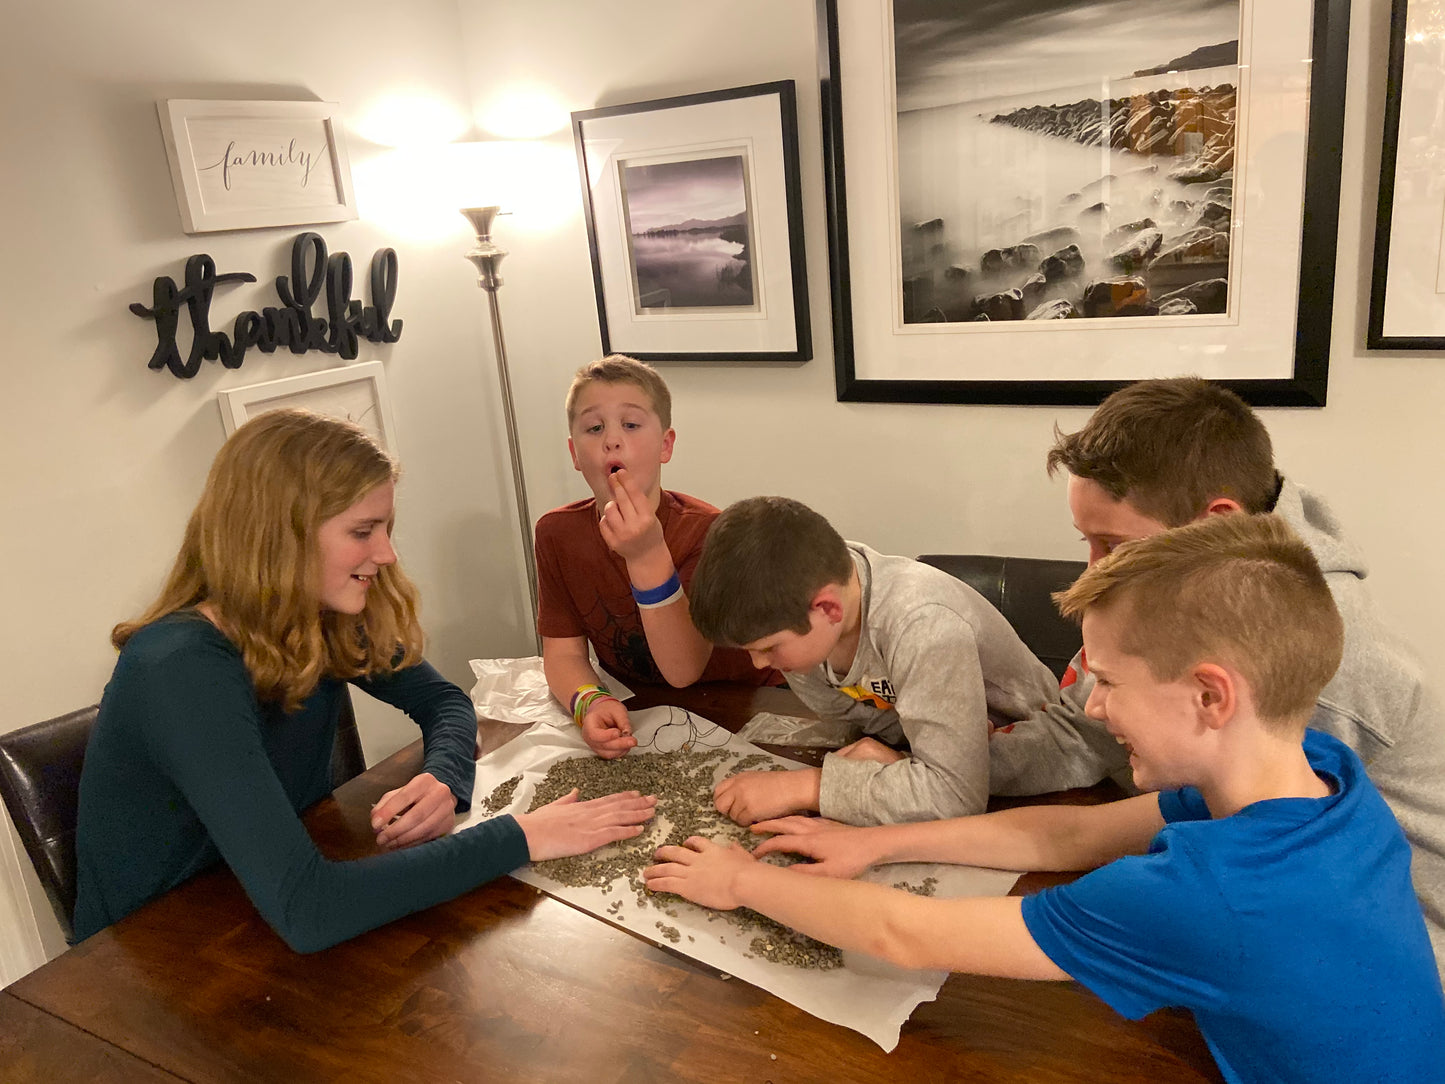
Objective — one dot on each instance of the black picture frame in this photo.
(1409, 297)
(655, 301)
(1308, 381)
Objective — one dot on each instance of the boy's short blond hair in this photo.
(1237, 589)
(1169, 447)
(620, 369)
(763, 561)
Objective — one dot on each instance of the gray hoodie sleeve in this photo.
(1056, 748)
(941, 705)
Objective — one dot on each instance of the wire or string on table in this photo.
(687, 731)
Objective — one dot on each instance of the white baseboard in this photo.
(21, 949)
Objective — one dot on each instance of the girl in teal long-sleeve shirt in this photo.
(217, 725)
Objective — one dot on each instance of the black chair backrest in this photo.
(40, 769)
(347, 759)
(40, 782)
(1020, 589)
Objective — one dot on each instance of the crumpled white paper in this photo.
(515, 691)
(867, 995)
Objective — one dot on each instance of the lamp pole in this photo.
(486, 256)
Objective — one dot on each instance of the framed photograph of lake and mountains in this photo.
(1041, 202)
(694, 217)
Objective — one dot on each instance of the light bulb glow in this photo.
(523, 113)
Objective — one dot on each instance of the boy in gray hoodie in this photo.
(883, 646)
(1159, 454)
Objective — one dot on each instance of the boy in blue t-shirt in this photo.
(1264, 885)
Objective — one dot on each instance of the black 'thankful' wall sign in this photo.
(292, 325)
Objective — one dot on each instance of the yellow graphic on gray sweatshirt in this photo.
(878, 692)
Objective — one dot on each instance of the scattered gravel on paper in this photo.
(501, 796)
(683, 782)
(927, 888)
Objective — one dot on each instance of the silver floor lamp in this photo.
(486, 256)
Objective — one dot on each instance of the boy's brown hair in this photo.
(764, 560)
(620, 369)
(1237, 589)
(1169, 447)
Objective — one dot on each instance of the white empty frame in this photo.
(354, 392)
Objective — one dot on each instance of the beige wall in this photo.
(103, 458)
(906, 478)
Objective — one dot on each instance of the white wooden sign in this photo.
(241, 165)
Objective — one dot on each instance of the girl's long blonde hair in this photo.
(250, 553)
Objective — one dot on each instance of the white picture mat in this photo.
(1257, 342)
(356, 393)
(240, 165)
(675, 133)
(869, 996)
(1415, 282)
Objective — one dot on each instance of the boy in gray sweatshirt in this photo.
(1162, 453)
(885, 647)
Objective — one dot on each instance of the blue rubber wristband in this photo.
(661, 593)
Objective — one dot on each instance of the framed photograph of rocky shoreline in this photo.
(1041, 203)
(1407, 290)
(694, 218)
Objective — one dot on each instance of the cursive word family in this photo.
(292, 324)
(235, 161)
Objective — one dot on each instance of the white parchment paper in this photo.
(866, 995)
(515, 691)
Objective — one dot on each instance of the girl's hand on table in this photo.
(566, 827)
(423, 809)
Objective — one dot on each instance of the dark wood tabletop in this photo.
(505, 983)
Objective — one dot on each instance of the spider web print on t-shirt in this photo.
(620, 642)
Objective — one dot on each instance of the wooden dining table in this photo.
(505, 983)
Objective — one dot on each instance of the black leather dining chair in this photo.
(347, 759)
(1020, 588)
(40, 769)
(40, 782)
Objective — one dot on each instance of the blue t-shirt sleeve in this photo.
(1142, 932)
(447, 720)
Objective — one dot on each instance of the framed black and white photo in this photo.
(1040, 203)
(694, 218)
(1407, 290)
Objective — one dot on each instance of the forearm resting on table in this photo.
(1041, 837)
(979, 936)
(861, 790)
(567, 666)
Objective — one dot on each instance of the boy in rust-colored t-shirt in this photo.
(613, 569)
